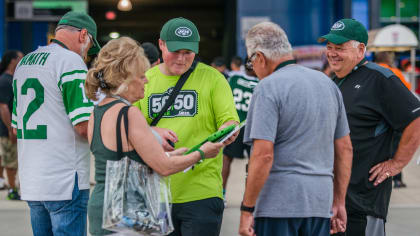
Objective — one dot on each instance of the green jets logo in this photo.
(339, 25)
(185, 104)
(183, 32)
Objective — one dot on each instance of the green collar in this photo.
(285, 63)
(59, 43)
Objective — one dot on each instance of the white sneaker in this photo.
(2, 184)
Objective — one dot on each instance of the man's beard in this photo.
(83, 49)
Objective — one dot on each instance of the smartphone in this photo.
(171, 143)
(215, 137)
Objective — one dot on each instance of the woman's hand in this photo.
(211, 149)
(166, 134)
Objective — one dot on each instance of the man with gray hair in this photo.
(378, 105)
(301, 150)
(50, 114)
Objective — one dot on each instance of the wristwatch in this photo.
(246, 208)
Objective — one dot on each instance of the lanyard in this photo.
(59, 43)
(354, 69)
(285, 63)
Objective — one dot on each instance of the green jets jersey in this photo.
(201, 107)
(242, 88)
(49, 100)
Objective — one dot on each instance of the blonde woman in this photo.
(119, 72)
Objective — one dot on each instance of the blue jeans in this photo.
(61, 218)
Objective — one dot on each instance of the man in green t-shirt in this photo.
(204, 105)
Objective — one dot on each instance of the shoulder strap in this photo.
(123, 112)
(175, 92)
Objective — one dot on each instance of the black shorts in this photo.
(198, 218)
(236, 149)
(318, 226)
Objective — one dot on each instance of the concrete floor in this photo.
(404, 212)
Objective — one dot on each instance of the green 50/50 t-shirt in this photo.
(201, 107)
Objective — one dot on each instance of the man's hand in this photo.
(410, 141)
(81, 129)
(166, 134)
(343, 157)
(384, 170)
(339, 219)
(12, 136)
(246, 225)
(234, 136)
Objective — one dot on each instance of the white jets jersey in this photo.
(49, 101)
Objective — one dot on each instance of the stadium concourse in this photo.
(404, 210)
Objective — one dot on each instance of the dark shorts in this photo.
(198, 218)
(236, 149)
(362, 225)
(292, 226)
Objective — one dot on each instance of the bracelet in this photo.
(247, 208)
(202, 156)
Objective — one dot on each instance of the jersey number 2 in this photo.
(41, 130)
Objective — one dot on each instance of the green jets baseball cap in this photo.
(82, 21)
(345, 30)
(180, 33)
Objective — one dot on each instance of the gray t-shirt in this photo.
(301, 111)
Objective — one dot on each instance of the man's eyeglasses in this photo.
(248, 63)
(90, 38)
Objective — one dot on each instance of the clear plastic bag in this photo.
(137, 199)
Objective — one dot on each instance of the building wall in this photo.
(303, 21)
(26, 36)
